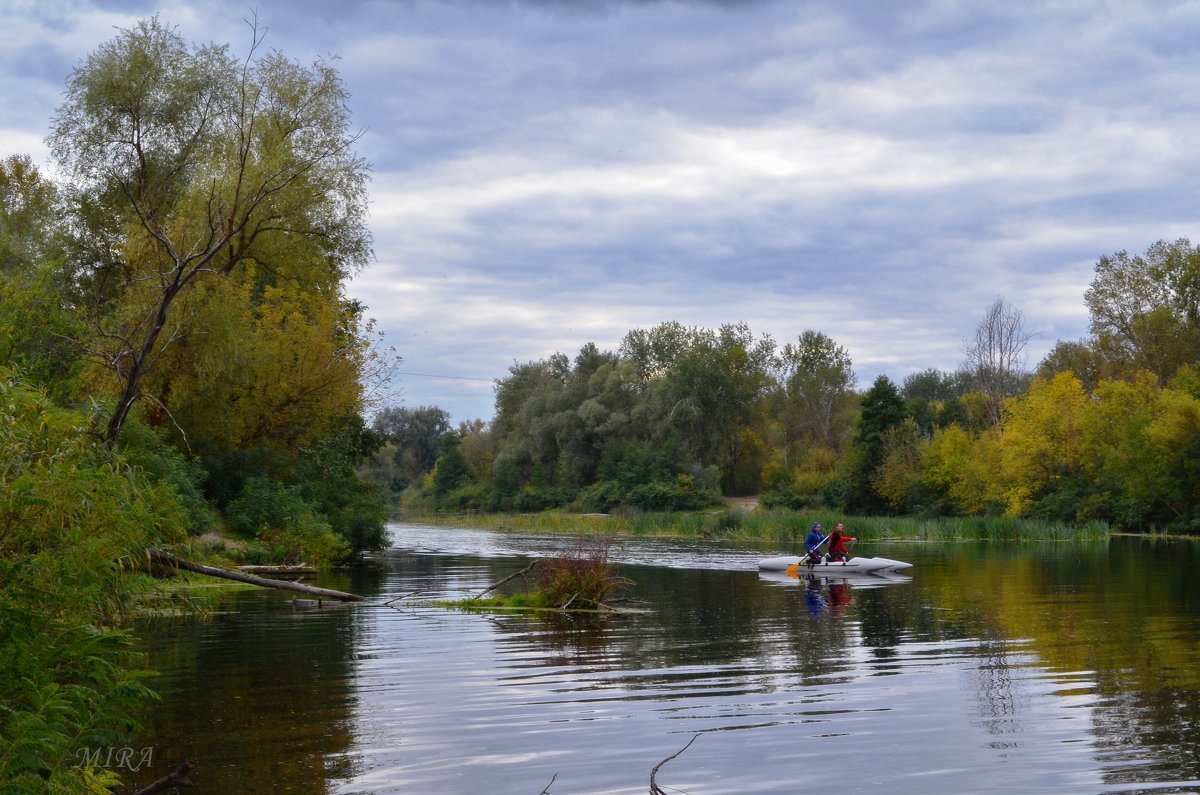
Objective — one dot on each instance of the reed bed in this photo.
(777, 526)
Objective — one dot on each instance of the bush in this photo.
(291, 527)
(143, 448)
(582, 575)
(652, 497)
(307, 539)
(76, 517)
(532, 499)
(263, 504)
(601, 497)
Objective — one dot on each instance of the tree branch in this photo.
(520, 573)
(654, 788)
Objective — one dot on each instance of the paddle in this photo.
(791, 570)
(818, 546)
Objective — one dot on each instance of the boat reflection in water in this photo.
(831, 591)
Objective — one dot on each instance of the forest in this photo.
(1105, 429)
(180, 365)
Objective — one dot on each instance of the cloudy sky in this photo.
(548, 173)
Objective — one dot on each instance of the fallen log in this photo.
(250, 579)
(288, 570)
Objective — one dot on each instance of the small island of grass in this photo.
(582, 578)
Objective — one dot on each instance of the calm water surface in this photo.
(1036, 668)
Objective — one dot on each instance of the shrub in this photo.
(75, 517)
(652, 497)
(582, 575)
(143, 448)
(601, 497)
(292, 528)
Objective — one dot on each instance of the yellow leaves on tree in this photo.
(275, 372)
(307, 373)
(1146, 439)
(961, 466)
(1042, 440)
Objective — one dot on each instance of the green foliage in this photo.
(1145, 310)
(249, 386)
(258, 488)
(817, 395)
(182, 178)
(451, 470)
(883, 409)
(143, 448)
(75, 517)
(413, 440)
(327, 477)
(287, 523)
(36, 325)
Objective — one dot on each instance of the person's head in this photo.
(816, 527)
(839, 527)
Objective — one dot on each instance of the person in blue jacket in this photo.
(813, 541)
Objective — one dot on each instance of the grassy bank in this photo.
(773, 526)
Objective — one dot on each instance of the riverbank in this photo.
(773, 526)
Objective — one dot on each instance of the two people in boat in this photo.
(837, 550)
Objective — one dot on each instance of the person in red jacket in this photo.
(837, 544)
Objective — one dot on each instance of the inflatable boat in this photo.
(853, 565)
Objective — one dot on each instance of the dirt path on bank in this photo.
(741, 503)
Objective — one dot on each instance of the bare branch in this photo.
(995, 355)
(654, 788)
(520, 573)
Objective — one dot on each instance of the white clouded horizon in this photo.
(549, 174)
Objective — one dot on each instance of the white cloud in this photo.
(549, 175)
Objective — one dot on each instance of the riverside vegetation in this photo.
(582, 577)
(180, 361)
(781, 526)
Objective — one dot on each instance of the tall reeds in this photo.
(779, 526)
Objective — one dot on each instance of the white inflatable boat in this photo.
(853, 565)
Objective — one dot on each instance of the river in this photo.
(1041, 667)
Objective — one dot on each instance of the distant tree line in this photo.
(1104, 428)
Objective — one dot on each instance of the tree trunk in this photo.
(284, 570)
(250, 579)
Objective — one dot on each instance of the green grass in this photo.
(776, 526)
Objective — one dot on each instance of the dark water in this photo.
(1036, 668)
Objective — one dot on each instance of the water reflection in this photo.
(990, 668)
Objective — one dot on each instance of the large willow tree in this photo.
(193, 167)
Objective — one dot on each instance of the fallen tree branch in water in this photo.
(654, 788)
(520, 573)
(176, 778)
(250, 579)
(284, 570)
(417, 592)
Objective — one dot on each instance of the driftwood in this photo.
(250, 579)
(520, 573)
(285, 570)
(654, 788)
(176, 778)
